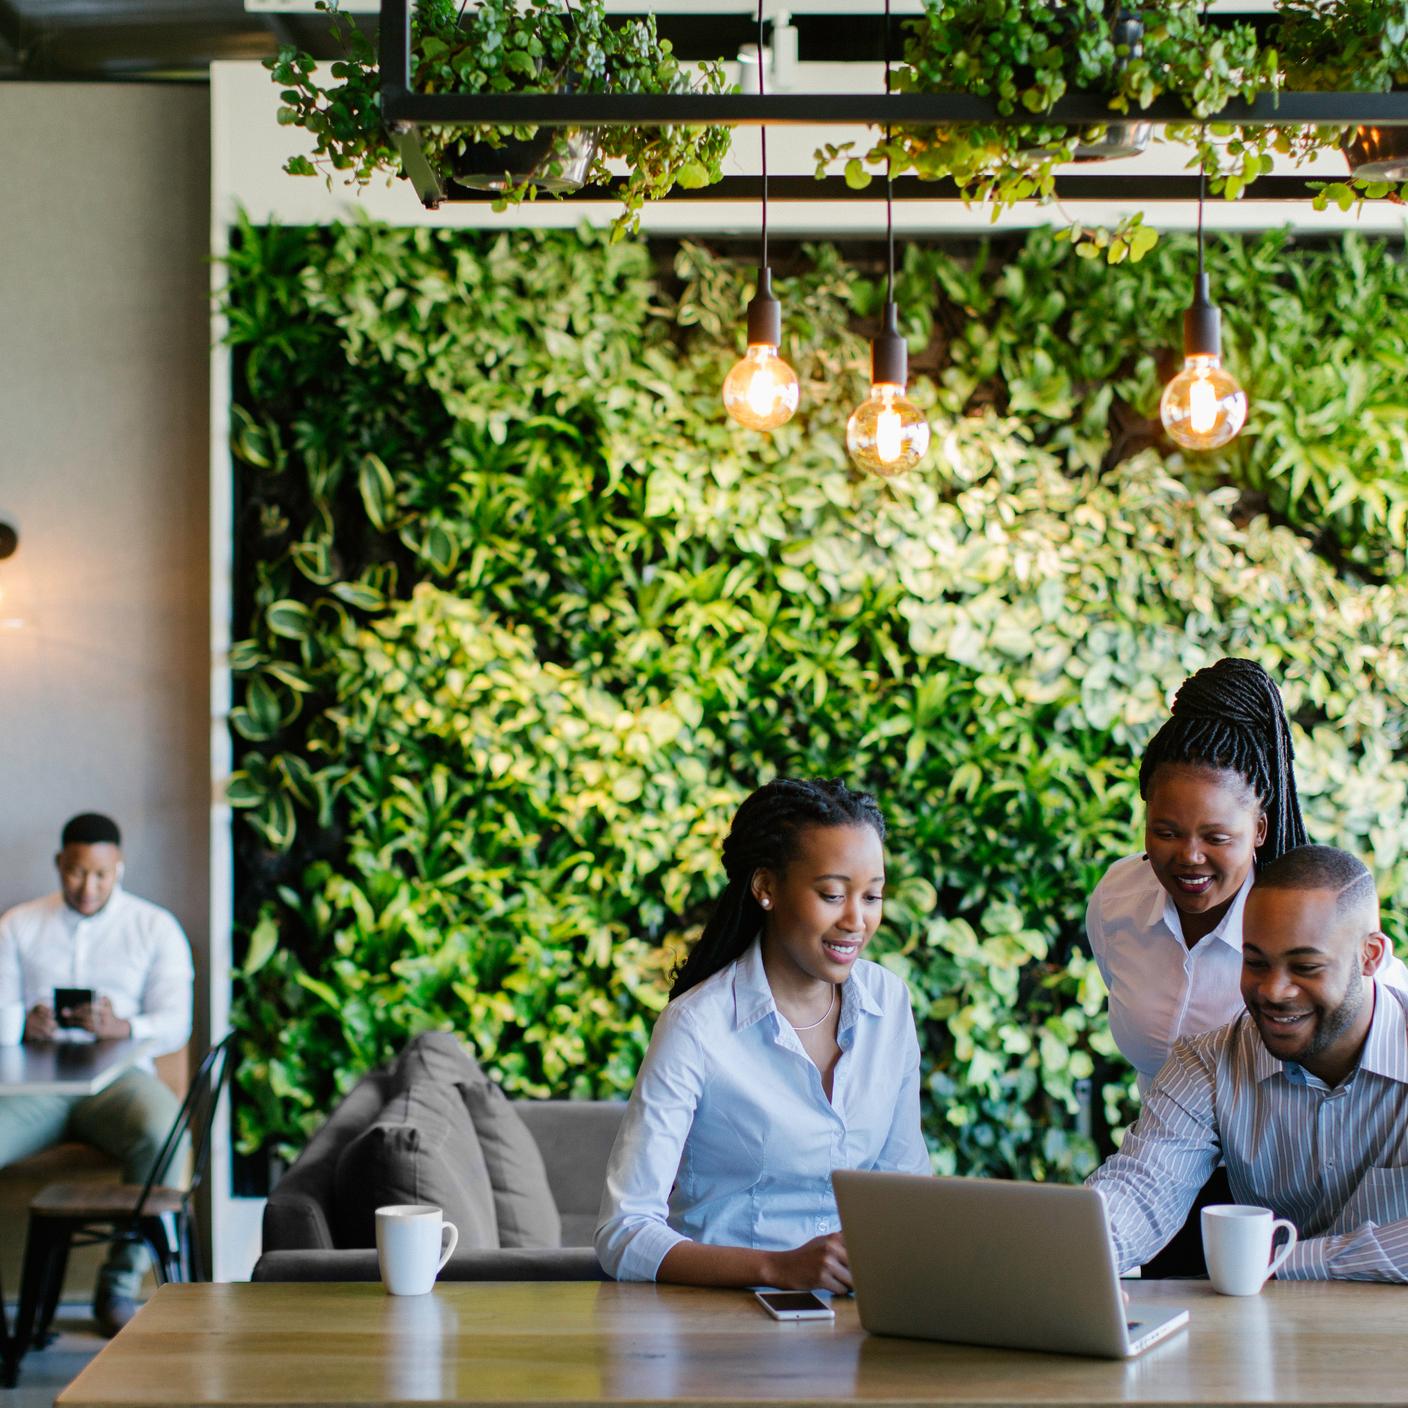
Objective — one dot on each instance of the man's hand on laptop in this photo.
(818, 1265)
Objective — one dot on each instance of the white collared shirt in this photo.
(131, 951)
(729, 1138)
(1160, 989)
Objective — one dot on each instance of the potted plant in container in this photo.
(1351, 46)
(1026, 55)
(497, 47)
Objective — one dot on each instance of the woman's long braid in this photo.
(1229, 716)
(764, 836)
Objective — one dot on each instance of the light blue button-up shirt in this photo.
(729, 1138)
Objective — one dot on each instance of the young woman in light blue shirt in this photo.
(782, 1055)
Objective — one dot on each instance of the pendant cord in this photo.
(763, 135)
(889, 182)
(1202, 189)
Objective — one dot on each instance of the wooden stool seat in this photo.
(103, 1200)
(71, 1160)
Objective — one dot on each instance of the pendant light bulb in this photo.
(1203, 407)
(887, 433)
(761, 391)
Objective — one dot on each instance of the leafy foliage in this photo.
(1357, 46)
(1317, 334)
(524, 617)
(500, 47)
(1026, 55)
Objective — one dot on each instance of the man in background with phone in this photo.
(92, 963)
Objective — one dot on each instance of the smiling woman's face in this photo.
(825, 907)
(1201, 830)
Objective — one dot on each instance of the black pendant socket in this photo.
(764, 314)
(1202, 324)
(889, 354)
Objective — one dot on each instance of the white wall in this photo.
(104, 331)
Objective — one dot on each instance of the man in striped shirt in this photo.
(1304, 1097)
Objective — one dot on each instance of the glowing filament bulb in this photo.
(1203, 407)
(888, 445)
(886, 433)
(761, 391)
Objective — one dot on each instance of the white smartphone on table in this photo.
(795, 1305)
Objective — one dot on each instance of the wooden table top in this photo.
(555, 1345)
(66, 1067)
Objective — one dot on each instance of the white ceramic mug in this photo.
(11, 1023)
(411, 1246)
(1237, 1244)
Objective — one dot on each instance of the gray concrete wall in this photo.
(104, 337)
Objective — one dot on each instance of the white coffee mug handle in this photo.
(1291, 1239)
(454, 1232)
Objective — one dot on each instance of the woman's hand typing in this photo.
(818, 1265)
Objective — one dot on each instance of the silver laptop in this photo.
(979, 1261)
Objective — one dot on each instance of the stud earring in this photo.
(766, 904)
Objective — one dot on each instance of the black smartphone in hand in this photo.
(67, 1001)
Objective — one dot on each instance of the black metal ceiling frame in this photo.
(405, 112)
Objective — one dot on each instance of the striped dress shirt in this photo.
(1333, 1161)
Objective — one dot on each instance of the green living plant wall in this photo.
(522, 618)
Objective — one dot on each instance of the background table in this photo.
(67, 1067)
(556, 1344)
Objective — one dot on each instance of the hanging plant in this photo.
(1343, 46)
(549, 46)
(1028, 54)
(1351, 46)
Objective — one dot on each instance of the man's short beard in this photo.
(1335, 1023)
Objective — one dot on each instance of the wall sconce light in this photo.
(10, 617)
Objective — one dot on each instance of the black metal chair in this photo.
(161, 1218)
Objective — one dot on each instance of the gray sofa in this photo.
(311, 1233)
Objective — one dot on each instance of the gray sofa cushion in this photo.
(421, 1149)
(298, 1213)
(527, 1214)
(575, 1138)
(437, 1057)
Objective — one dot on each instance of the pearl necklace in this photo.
(812, 1025)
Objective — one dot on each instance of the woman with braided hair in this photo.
(783, 1054)
(1165, 927)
